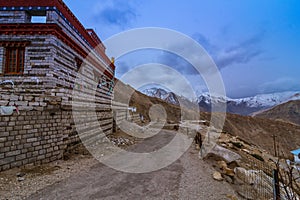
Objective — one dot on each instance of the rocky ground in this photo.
(20, 183)
(251, 175)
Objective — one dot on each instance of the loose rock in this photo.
(217, 176)
(21, 179)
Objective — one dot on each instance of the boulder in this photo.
(225, 154)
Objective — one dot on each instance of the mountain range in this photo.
(241, 106)
(160, 93)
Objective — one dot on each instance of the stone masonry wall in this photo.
(40, 136)
(45, 127)
(14, 17)
(32, 137)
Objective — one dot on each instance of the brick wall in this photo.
(45, 127)
(14, 17)
(32, 137)
(41, 136)
(1, 59)
(120, 114)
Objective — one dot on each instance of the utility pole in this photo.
(275, 147)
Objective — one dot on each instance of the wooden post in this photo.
(276, 186)
(275, 148)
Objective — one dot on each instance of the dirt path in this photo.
(187, 178)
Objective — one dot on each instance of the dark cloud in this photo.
(205, 42)
(241, 53)
(176, 62)
(237, 56)
(146, 56)
(280, 85)
(116, 12)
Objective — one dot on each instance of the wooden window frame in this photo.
(20, 47)
(18, 61)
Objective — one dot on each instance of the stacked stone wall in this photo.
(43, 95)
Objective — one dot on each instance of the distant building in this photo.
(43, 47)
(296, 154)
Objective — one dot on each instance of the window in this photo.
(38, 19)
(78, 62)
(14, 62)
(14, 56)
(37, 16)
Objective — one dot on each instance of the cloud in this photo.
(176, 62)
(115, 12)
(280, 85)
(236, 56)
(205, 42)
(157, 74)
(242, 52)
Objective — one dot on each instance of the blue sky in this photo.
(254, 43)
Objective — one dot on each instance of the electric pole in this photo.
(275, 147)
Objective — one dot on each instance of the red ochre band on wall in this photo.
(89, 34)
(51, 29)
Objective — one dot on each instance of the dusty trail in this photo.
(187, 178)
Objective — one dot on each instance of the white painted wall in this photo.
(297, 159)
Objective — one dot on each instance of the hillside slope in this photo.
(289, 111)
(126, 94)
(260, 131)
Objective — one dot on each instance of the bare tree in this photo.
(289, 179)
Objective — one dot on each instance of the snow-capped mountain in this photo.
(248, 105)
(242, 106)
(169, 97)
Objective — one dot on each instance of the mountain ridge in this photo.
(242, 106)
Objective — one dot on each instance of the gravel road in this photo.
(187, 178)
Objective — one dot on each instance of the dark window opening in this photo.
(78, 62)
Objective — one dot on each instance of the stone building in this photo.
(45, 55)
